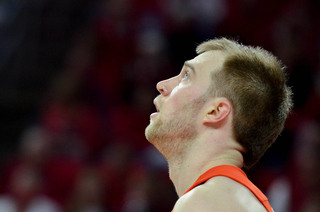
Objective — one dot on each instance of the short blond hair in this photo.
(255, 82)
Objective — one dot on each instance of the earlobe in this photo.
(218, 111)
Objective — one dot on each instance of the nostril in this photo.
(164, 87)
(160, 87)
(164, 91)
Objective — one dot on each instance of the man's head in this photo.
(250, 79)
(255, 83)
(180, 105)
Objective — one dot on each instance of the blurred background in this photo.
(77, 80)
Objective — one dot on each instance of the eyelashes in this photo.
(185, 76)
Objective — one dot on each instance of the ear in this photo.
(218, 111)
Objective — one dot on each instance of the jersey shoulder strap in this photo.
(235, 174)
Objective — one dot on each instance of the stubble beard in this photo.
(173, 135)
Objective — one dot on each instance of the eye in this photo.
(185, 76)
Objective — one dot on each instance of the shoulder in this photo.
(219, 194)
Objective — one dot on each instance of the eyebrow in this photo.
(189, 65)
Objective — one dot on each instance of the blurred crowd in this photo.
(77, 84)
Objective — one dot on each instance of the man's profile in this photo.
(220, 114)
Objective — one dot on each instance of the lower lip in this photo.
(154, 114)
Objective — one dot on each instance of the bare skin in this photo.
(219, 194)
(195, 134)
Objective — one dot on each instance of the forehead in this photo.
(208, 61)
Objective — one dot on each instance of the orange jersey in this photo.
(237, 175)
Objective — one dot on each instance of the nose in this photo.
(163, 87)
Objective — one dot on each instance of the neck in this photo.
(184, 171)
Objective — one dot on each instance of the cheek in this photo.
(180, 97)
(177, 90)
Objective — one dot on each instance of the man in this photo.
(220, 114)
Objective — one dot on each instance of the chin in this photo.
(152, 133)
(147, 132)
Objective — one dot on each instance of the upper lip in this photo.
(155, 104)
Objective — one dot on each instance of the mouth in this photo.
(155, 113)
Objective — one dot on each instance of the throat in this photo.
(184, 171)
